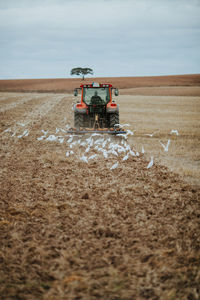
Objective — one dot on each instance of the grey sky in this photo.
(46, 39)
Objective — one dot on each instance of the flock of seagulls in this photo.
(96, 145)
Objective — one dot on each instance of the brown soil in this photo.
(67, 85)
(76, 230)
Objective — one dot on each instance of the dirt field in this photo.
(84, 218)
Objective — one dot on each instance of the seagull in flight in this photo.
(165, 147)
(174, 131)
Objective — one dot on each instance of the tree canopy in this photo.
(81, 71)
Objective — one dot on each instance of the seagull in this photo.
(143, 150)
(70, 139)
(165, 147)
(105, 153)
(45, 132)
(52, 137)
(150, 134)
(114, 152)
(84, 159)
(122, 125)
(91, 142)
(129, 132)
(61, 140)
(132, 153)
(150, 163)
(92, 156)
(74, 143)
(21, 124)
(95, 134)
(88, 149)
(174, 131)
(25, 133)
(114, 166)
(104, 143)
(99, 141)
(7, 130)
(69, 152)
(125, 157)
(122, 134)
(111, 145)
(121, 149)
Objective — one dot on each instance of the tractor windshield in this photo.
(98, 95)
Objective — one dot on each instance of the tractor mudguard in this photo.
(78, 108)
(112, 108)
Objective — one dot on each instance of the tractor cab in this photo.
(96, 108)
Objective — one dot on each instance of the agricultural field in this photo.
(100, 217)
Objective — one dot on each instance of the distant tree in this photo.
(81, 71)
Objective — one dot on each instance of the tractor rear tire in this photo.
(114, 119)
(78, 120)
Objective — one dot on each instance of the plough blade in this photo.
(113, 131)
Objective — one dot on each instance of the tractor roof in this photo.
(95, 85)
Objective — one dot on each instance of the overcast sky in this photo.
(46, 39)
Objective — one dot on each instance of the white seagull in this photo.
(70, 139)
(92, 156)
(150, 134)
(84, 159)
(150, 163)
(69, 152)
(143, 150)
(165, 147)
(114, 166)
(105, 153)
(125, 157)
(87, 149)
(174, 131)
(132, 153)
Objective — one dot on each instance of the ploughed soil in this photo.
(135, 85)
(71, 229)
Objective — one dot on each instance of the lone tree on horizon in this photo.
(81, 71)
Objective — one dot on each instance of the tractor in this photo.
(96, 110)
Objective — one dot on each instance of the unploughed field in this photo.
(84, 217)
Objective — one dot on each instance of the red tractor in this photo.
(96, 109)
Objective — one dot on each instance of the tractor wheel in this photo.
(114, 119)
(78, 120)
